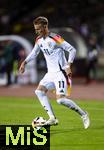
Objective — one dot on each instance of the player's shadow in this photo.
(59, 131)
(69, 130)
(97, 127)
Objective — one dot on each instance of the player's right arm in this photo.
(35, 51)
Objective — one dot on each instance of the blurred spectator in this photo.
(5, 19)
(8, 55)
(11, 53)
(84, 30)
(2, 60)
(18, 56)
(4, 22)
(93, 49)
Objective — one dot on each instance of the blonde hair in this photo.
(41, 20)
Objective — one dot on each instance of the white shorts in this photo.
(57, 81)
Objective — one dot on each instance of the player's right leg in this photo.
(41, 91)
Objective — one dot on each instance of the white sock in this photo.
(72, 105)
(44, 102)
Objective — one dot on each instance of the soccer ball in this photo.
(38, 122)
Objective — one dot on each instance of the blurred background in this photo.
(81, 23)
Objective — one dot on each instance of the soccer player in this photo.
(59, 69)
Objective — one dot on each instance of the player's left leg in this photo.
(61, 90)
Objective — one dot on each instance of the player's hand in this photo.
(68, 70)
(22, 67)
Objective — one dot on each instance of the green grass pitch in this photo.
(69, 134)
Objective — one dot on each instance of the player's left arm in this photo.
(69, 48)
(72, 52)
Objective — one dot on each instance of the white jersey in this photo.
(53, 47)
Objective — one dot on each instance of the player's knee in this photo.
(39, 93)
(59, 101)
(60, 98)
